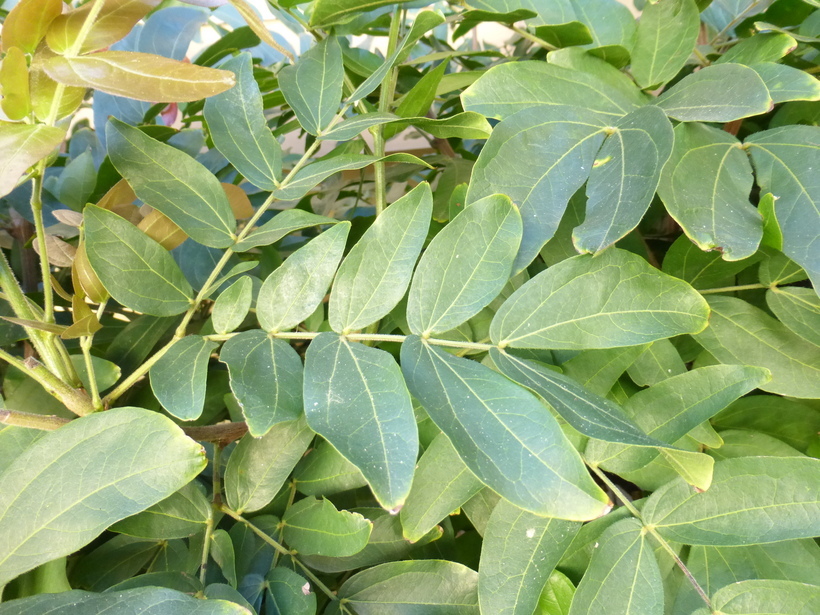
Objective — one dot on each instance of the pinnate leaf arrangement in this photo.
(410, 308)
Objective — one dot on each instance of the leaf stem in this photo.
(636, 513)
(385, 100)
(75, 400)
(531, 37)
(45, 422)
(731, 289)
(45, 269)
(237, 517)
(316, 580)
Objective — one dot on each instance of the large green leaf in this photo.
(792, 422)
(143, 600)
(717, 93)
(465, 266)
(291, 293)
(331, 12)
(624, 178)
(180, 515)
(315, 527)
(767, 597)
(592, 415)
(355, 398)
(514, 86)
(674, 407)
(374, 275)
(560, 144)
(752, 500)
(657, 363)
(135, 269)
(172, 182)
(441, 484)
(432, 587)
(740, 333)
(24, 145)
(266, 378)
(90, 488)
(784, 160)
(623, 576)
(282, 224)
(705, 187)
(237, 125)
(667, 33)
(178, 379)
(519, 552)
(313, 86)
(798, 309)
(701, 269)
(626, 302)
(504, 434)
(787, 83)
(258, 467)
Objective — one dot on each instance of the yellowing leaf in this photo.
(24, 145)
(239, 201)
(162, 229)
(141, 76)
(114, 22)
(14, 85)
(43, 89)
(26, 24)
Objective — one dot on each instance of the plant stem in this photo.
(532, 38)
(237, 517)
(45, 269)
(636, 513)
(731, 289)
(73, 399)
(85, 346)
(137, 374)
(45, 422)
(385, 100)
(206, 550)
(316, 581)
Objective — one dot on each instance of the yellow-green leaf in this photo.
(14, 85)
(23, 145)
(26, 24)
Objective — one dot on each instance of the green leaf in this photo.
(141, 76)
(767, 597)
(266, 378)
(313, 86)
(556, 599)
(467, 125)
(307, 178)
(672, 408)
(513, 86)
(717, 93)
(286, 595)
(324, 471)
(599, 370)
(223, 553)
(666, 35)
(787, 83)
(762, 47)
(705, 187)
(237, 125)
(504, 434)
(282, 224)
(657, 363)
(798, 309)
(432, 587)
(626, 302)
(113, 562)
(519, 552)
(154, 459)
(465, 266)
(331, 12)
(441, 484)
(354, 126)
(743, 334)
(232, 305)
(172, 182)
(180, 515)
(701, 269)
(752, 500)
(376, 272)
(778, 269)
(784, 163)
(258, 467)
(178, 378)
(135, 269)
(624, 178)
(315, 527)
(623, 576)
(785, 419)
(141, 600)
(355, 398)
(24, 145)
(592, 415)
(294, 290)
(561, 143)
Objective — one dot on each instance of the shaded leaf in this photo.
(180, 515)
(315, 527)
(798, 309)
(178, 378)
(286, 594)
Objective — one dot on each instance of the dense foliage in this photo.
(350, 311)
